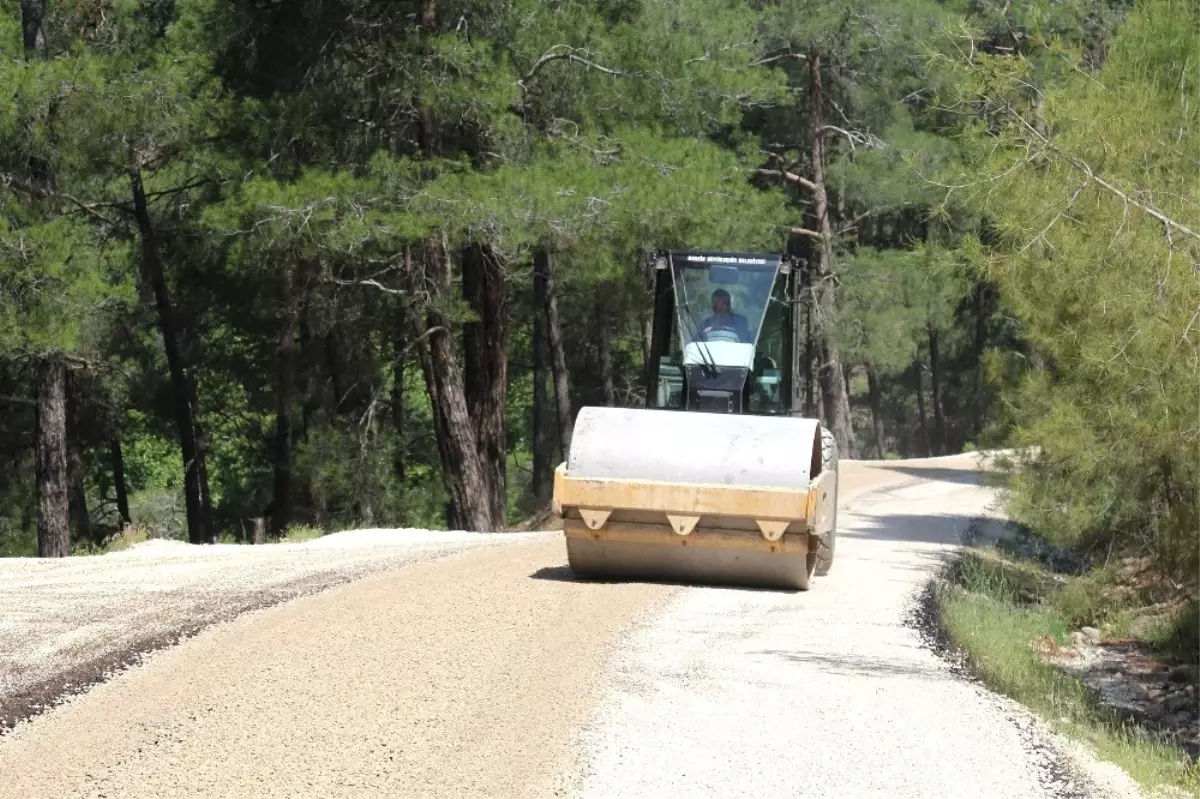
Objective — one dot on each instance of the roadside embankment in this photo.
(1106, 661)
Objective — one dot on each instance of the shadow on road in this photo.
(851, 665)
(931, 528)
(961, 476)
(559, 574)
(564, 574)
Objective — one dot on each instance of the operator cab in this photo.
(722, 334)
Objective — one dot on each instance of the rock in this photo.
(1177, 702)
(1170, 792)
(1077, 640)
(1177, 720)
(1184, 672)
(1091, 635)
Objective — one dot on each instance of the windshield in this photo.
(721, 300)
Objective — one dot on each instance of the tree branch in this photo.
(15, 183)
(853, 223)
(866, 139)
(803, 231)
(789, 177)
(1086, 169)
(191, 184)
(771, 59)
(372, 283)
(420, 338)
(1187, 331)
(557, 54)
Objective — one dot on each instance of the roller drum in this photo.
(684, 447)
(694, 448)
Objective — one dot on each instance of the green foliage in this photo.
(17, 534)
(297, 533)
(292, 144)
(58, 288)
(346, 468)
(1076, 189)
(881, 319)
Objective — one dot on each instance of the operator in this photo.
(723, 317)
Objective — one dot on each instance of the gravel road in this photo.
(68, 623)
(422, 664)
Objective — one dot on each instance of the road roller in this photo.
(722, 478)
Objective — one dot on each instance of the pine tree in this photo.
(1089, 188)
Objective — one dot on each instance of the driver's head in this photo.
(720, 301)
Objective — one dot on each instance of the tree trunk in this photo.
(485, 362)
(400, 343)
(820, 403)
(33, 28)
(875, 396)
(399, 357)
(118, 470)
(542, 413)
(441, 436)
(810, 402)
(905, 445)
(939, 421)
(199, 511)
(981, 306)
(333, 363)
(604, 342)
(543, 264)
(309, 401)
(53, 521)
(201, 458)
(918, 368)
(464, 469)
(425, 360)
(81, 521)
(366, 511)
(837, 403)
(647, 336)
(833, 394)
(285, 380)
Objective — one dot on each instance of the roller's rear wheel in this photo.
(828, 542)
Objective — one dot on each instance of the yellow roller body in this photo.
(695, 497)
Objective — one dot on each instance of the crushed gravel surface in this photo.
(406, 663)
(740, 693)
(68, 623)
